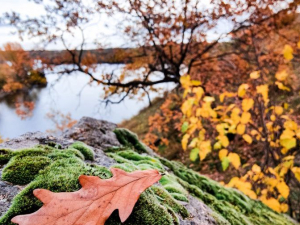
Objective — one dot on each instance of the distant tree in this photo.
(171, 37)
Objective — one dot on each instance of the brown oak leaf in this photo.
(94, 202)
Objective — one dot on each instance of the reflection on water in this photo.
(70, 94)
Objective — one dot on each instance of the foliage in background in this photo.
(17, 69)
(61, 121)
(251, 117)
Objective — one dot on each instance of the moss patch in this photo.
(60, 174)
(5, 155)
(22, 170)
(86, 151)
(129, 139)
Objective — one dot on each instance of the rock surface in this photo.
(181, 197)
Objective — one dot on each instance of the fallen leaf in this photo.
(94, 202)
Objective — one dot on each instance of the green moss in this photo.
(61, 175)
(129, 139)
(229, 205)
(147, 211)
(170, 183)
(22, 170)
(5, 155)
(142, 162)
(86, 151)
(157, 205)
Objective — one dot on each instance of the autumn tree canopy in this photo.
(170, 38)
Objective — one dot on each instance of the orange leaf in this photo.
(94, 202)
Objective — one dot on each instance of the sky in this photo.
(21, 6)
(29, 8)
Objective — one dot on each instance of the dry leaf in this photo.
(94, 202)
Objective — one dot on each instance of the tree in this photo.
(233, 124)
(170, 37)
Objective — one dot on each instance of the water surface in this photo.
(70, 94)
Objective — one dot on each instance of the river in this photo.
(69, 94)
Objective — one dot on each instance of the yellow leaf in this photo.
(291, 125)
(287, 134)
(199, 92)
(208, 99)
(204, 149)
(224, 140)
(223, 153)
(288, 52)
(283, 189)
(186, 107)
(263, 90)
(246, 116)
(217, 146)
(235, 160)
(241, 129)
(281, 86)
(236, 111)
(281, 76)
(185, 81)
(284, 207)
(285, 105)
(235, 118)
(247, 138)
(255, 75)
(273, 117)
(288, 143)
(296, 171)
(278, 110)
(271, 202)
(242, 90)
(184, 141)
(256, 168)
(196, 82)
(247, 104)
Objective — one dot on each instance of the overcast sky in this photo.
(21, 6)
(25, 7)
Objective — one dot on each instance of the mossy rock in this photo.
(166, 203)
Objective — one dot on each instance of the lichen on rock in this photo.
(182, 196)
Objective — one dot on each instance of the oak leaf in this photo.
(94, 202)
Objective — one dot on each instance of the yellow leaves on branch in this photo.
(243, 186)
(223, 140)
(287, 138)
(232, 158)
(222, 154)
(235, 160)
(204, 149)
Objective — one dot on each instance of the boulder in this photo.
(91, 147)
